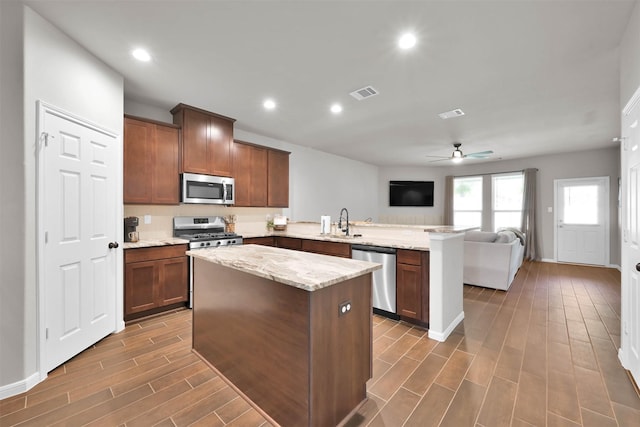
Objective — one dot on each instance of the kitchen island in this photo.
(291, 331)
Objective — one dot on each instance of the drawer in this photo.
(156, 252)
(409, 257)
(264, 241)
(327, 248)
(289, 243)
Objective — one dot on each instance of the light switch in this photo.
(549, 209)
(147, 219)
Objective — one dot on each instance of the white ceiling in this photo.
(533, 77)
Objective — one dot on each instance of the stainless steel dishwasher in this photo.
(384, 280)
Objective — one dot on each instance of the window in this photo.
(507, 193)
(581, 205)
(467, 201)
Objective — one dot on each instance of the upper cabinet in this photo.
(207, 141)
(150, 157)
(250, 174)
(278, 179)
(261, 176)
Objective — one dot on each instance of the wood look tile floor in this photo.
(542, 354)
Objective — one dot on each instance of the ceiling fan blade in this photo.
(439, 157)
(443, 159)
(480, 154)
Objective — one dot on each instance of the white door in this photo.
(630, 257)
(582, 220)
(77, 219)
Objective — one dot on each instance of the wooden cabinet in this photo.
(289, 243)
(264, 241)
(207, 140)
(412, 284)
(261, 175)
(250, 174)
(278, 179)
(154, 278)
(327, 248)
(150, 156)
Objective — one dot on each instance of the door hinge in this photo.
(46, 237)
(46, 333)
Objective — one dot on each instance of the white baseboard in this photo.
(549, 260)
(442, 336)
(19, 386)
(617, 267)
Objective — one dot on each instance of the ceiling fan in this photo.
(457, 156)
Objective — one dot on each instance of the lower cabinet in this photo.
(154, 278)
(264, 241)
(327, 248)
(412, 284)
(289, 243)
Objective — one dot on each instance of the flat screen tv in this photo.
(410, 193)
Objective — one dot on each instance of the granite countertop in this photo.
(299, 269)
(385, 242)
(149, 243)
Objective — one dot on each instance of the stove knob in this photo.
(208, 243)
(218, 243)
(201, 244)
(233, 242)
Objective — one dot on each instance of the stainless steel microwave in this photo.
(206, 189)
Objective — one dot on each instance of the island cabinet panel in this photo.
(264, 241)
(207, 140)
(278, 179)
(288, 350)
(155, 278)
(327, 248)
(412, 284)
(289, 243)
(150, 162)
(250, 174)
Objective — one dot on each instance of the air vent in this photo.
(453, 113)
(365, 92)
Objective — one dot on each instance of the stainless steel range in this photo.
(202, 232)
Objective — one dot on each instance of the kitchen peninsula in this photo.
(289, 330)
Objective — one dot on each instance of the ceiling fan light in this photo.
(456, 155)
(456, 159)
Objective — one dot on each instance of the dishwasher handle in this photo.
(369, 248)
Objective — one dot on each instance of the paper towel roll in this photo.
(325, 224)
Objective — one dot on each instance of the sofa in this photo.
(492, 259)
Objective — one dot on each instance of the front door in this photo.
(582, 220)
(77, 217)
(630, 167)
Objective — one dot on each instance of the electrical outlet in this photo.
(344, 308)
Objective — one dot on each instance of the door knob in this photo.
(638, 266)
(113, 245)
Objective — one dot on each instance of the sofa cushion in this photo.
(505, 237)
(519, 234)
(480, 236)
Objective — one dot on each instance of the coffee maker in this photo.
(130, 224)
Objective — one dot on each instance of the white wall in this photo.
(581, 164)
(629, 58)
(60, 72)
(14, 315)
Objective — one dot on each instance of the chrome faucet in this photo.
(346, 229)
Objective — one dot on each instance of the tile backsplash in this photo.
(162, 217)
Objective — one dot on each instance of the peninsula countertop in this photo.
(299, 269)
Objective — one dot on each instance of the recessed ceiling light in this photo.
(269, 104)
(407, 41)
(141, 55)
(336, 108)
(450, 114)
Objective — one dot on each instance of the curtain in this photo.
(448, 200)
(529, 226)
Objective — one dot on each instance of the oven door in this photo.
(206, 189)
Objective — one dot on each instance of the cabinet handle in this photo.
(113, 245)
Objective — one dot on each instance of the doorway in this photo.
(78, 178)
(582, 220)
